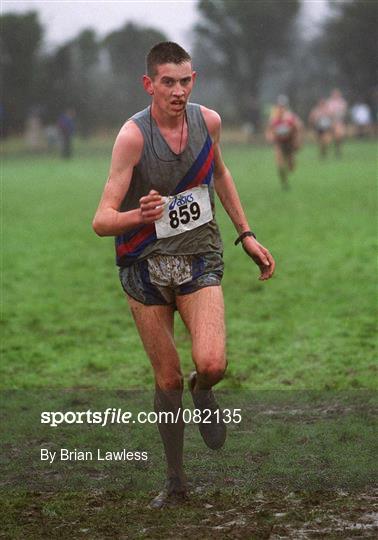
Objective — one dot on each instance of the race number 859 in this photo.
(183, 214)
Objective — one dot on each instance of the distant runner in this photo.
(321, 121)
(285, 132)
(338, 109)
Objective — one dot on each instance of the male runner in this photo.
(320, 120)
(284, 131)
(338, 109)
(159, 203)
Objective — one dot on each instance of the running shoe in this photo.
(174, 494)
(212, 427)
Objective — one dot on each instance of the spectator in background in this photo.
(34, 134)
(373, 102)
(66, 126)
(320, 120)
(252, 118)
(285, 132)
(3, 122)
(338, 108)
(362, 120)
(52, 137)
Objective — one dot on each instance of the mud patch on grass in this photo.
(267, 515)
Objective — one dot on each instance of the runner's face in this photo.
(171, 87)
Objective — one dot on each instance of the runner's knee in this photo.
(212, 368)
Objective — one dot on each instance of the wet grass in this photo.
(314, 325)
(297, 466)
(270, 515)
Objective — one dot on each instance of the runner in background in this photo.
(338, 108)
(321, 122)
(284, 130)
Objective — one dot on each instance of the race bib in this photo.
(184, 212)
(283, 130)
(324, 122)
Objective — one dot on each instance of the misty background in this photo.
(90, 56)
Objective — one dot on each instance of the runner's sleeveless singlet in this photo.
(178, 173)
(283, 127)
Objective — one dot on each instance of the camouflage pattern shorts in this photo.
(158, 279)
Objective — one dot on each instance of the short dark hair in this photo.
(165, 52)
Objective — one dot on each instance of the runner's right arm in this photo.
(109, 221)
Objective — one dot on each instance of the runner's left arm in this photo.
(228, 195)
(299, 128)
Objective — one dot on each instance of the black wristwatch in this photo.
(244, 235)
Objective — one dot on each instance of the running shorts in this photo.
(287, 147)
(160, 278)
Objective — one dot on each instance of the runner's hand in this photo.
(260, 256)
(151, 207)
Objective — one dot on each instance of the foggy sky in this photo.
(64, 19)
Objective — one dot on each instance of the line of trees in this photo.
(258, 50)
(245, 52)
(100, 79)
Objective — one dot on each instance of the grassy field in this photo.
(301, 351)
(312, 326)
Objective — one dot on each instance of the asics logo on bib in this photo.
(180, 200)
(184, 211)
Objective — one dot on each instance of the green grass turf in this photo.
(301, 351)
(66, 321)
